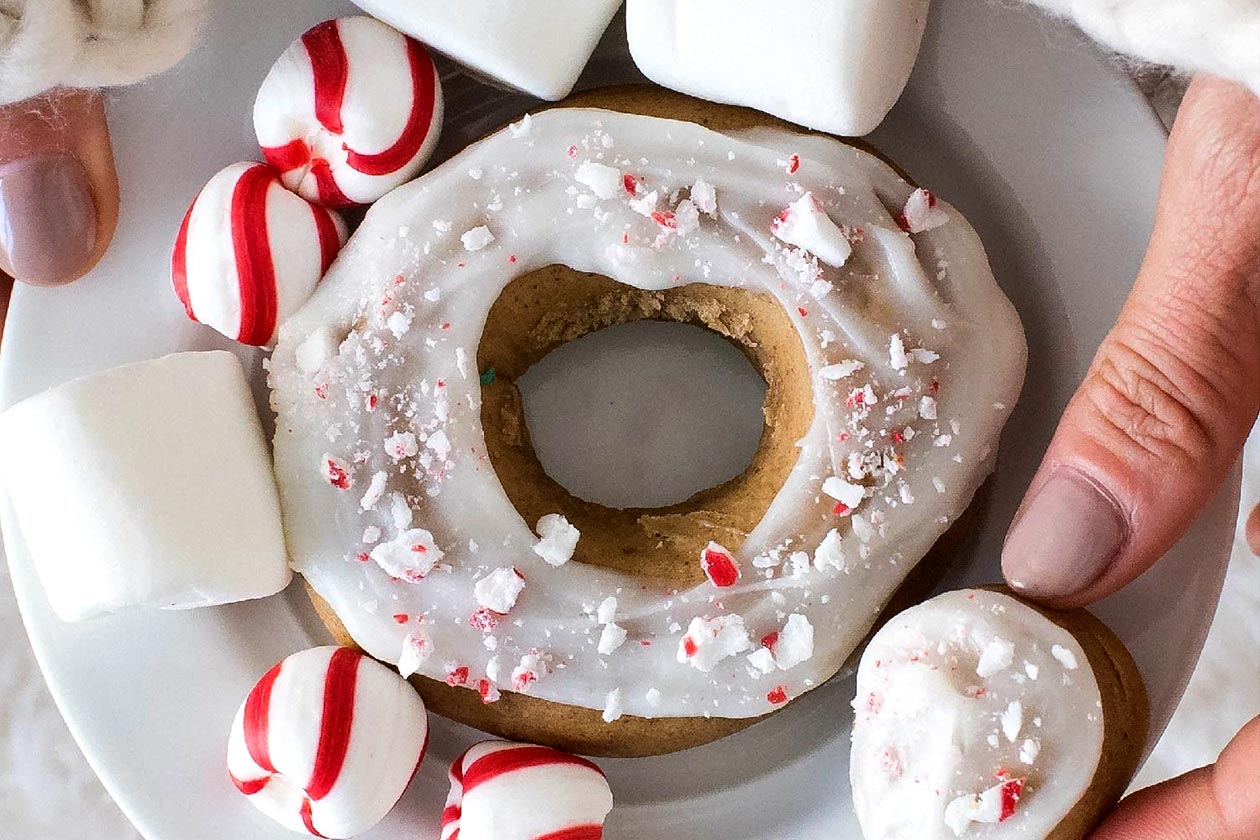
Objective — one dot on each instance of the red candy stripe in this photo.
(179, 265)
(331, 67)
(417, 127)
(336, 723)
(257, 709)
(496, 764)
(308, 819)
(329, 241)
(252, 248)
(577, 832)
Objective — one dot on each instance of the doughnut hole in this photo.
(539, 312)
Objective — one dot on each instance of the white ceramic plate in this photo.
(1050, 152)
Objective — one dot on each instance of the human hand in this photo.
(1157, 425)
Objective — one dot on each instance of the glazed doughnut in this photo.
(506, 791)
(327, 741)
(979, 715)
(890, 378)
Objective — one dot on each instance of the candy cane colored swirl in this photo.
(379, 431)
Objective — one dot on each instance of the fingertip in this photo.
(58, 187)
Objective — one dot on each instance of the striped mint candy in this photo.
(327, 741)
(349, 111)
(506, 791)
(249, 253)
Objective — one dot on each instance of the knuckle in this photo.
(1142, 409)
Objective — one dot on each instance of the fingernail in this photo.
(47, 218)
(1065, 538)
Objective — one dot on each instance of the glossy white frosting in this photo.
(958, 694)
(403, 309)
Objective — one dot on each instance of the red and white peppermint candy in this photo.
(249, 253)
(308, 748)
(506, 791)
(349, 111)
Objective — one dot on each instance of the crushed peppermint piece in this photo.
(522, 128)
(841, 370)
(557, 539)
(401, 445)
(761, 660)
(897, 352)
(1029, 750)
(399, 323)
(777, 695)
(927, 408)
(605, 181)
(316, 350)
(613, 708)
(829, 554)
(606, 612)
(531, 669)
(1066, 658)
(795, 643)
(337, 473)
(653, 697)
(409, 556)
(439, 444)
(996, 657)
(921, 213)
(862, 529)
(849, 495)
(416, 649)
(686, 218)
(994, 805)
(805, 224)
(611, 638)
(1012, 720)
(376, 489)
(645, 205)
(499, 590)
(704, 196)
(719, 566)
(710, 640)
(477, 238)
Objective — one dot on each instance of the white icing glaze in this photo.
(407, 262)
(960, 696)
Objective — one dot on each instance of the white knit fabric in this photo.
(90, 43)
(1216, 36)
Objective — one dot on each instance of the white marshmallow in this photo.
(249, 253)
(833, 65)
(537, 46)
(337, 774)
(349, 111)
(506, 791)
(149, 485)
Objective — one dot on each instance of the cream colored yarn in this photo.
(1217, 36)
(90, 43)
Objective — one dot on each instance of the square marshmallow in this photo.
(831, 65)
(538, 46)
(147, 485)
